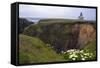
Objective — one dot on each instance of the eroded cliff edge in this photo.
(63, 36)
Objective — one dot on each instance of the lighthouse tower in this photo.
(81, 16)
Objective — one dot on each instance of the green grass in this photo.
(63, 21)
(33, 50)
(91, 46)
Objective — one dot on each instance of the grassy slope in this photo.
(33, 50)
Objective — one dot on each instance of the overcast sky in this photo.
(36, 11)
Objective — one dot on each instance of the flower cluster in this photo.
(74, 54)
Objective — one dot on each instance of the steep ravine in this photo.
(63, 36)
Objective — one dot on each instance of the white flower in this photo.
(71, 50)
(73, 58)
(73, 55)
(83, 58)
(90, 56)
(86, 54)
(77, 54)
(70, 53)
(78, 51)
(64, 52)
(81, 51)
(91, 53)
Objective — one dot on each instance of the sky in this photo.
(36, 11)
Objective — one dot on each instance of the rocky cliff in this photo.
(63, 36)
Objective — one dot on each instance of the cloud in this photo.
(36, 11)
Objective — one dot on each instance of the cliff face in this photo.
(63, 36)
(86, 34)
